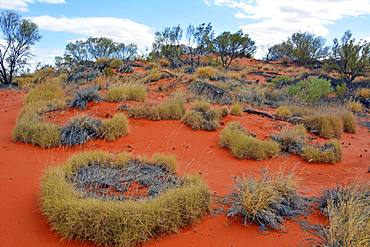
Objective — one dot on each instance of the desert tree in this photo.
(350, 58)
(233, 45)
(125, 52)
(18, 37)
(304, 48)
(168, 44)
(198, 42)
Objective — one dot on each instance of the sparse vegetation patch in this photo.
(119, 200)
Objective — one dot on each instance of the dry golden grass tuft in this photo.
(326, 126)
(284, 112)
(347, 208)
(236, 109)
(172, 109)
(330, 153)
(266, 201)
(119, 223)
(206, 72)
(349, 123)
(244, 146)
(355, 106)
(132, 91)
(202, 117)
(30, 127)
(115, 127)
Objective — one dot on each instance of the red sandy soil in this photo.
(22, 165)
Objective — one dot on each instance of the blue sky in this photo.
(267, 21)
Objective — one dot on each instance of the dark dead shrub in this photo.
(82, 97)
(79, 130)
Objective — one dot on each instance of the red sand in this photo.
(22, 165)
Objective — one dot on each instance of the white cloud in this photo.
(44, 56)
(22, 5)
(275, 20)
(120, 30)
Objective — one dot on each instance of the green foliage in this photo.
(119, 223)
(134, 92)
(18, 37)
(229, 46)
(341, 89)
(244, 146)
(311, 89)
(281, 80)
(115, 127)
(350, 59)
(108, 72)
(304, 48)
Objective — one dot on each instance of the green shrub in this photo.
(103, 61)
(281, 80)
(236, 109)
(172, 109)
(113, 222)
(311, 89)
(341, 89)
(115, 63)
(326, 126)
(115, 127)
(134, 92)
(108, 72)
(349, 123)
(244, 146)
(329, 153)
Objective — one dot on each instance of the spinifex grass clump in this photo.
(79, 130)
(115, 127)
(292, 140)
(130, 91)
(348, 210)
(236, 109)
(30, 126)
(119, 200)
(201, 117)
(245, 146)
(266, 201)
(330, 152)
(82, 97)
(326, 126)
(172, 109)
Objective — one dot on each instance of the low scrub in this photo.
(115, 127)
(172, 109)
(79, 130)
(355, 106)
(30, 127)
(134, 92)
(284, 112)
(330, 152)
(206, 72)
(326, 126)
(236, 109)
(82, 97)
(266, 201)
(349, 123)
(311, 89)
(201, 117)
(347, 207)
(244, 146)
(292, 140)
(118, 222)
